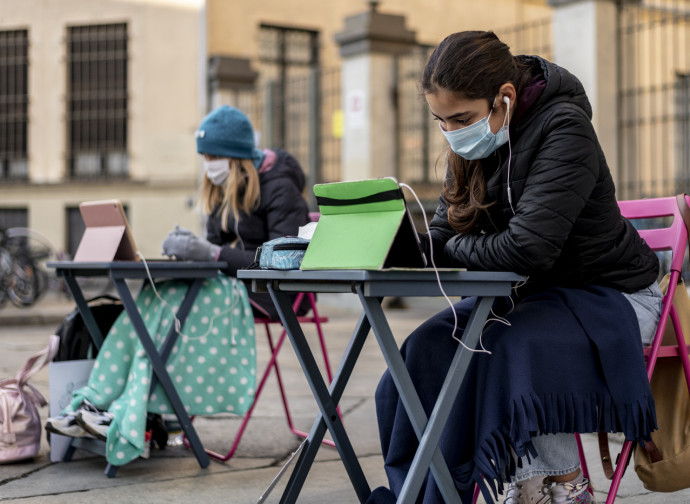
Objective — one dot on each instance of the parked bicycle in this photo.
(23, 276)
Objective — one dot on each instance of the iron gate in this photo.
(654, 98)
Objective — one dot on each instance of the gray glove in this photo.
(187, 246)
(181, 231)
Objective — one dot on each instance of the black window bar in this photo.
(97, 101)
(13, 104)
(285, 48)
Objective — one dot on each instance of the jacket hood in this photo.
(284, 166)
(561, 86)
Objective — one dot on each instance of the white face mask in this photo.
(217, 170)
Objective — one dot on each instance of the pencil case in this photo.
(284, 253)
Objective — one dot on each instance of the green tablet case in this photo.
(363, 225)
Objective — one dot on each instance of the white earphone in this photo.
(506, 100)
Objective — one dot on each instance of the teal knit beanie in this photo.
(227, 132)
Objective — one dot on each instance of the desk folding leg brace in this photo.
(157, 362)
(326, 397)
(429, 432)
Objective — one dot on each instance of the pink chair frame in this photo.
(674, 239)
(313, 318)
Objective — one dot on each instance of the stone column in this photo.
(368, 45)
(227, 77)
(585, 42)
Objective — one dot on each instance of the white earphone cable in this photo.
(438, 278)
(176, 322)
(510, 154)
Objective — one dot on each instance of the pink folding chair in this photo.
(673, 238)
(312, 317)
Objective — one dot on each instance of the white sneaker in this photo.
(530, 491)
(66, 424)
(572, 492)
(95, 423)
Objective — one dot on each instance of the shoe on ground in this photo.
(572, 492)
(530, 491)
(95, 423)
(66, 424)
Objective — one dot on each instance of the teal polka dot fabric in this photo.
(212, 364)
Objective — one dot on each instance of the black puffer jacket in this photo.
(282, 210)
(567, 229)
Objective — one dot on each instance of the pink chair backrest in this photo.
(673, 237)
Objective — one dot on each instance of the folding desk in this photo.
(119, 272)
(371, 287)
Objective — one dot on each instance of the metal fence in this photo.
(311, 117)
(296, 103)
(654, 98)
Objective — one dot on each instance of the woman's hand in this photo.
(185, 245)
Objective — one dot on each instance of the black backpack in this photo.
(75, 340)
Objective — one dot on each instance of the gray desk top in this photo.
(392, 282)
(137, 269)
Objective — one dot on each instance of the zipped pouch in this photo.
(284, 253)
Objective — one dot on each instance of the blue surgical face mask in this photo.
(476, 141)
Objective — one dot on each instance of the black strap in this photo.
(390, 195)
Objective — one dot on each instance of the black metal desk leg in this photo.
(159, 369)
(408, 395)
(318, 430)
(326, 402)
(182, 312)
(84, 310)
(428, 445)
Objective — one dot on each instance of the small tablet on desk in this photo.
(107, 236)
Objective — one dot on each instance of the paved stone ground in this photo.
(173, 475)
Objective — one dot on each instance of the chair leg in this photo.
(618, 473)
(288, 417)
(240, 432)
(322, 342)
(273, 364)
(581, 454)
(475, 495)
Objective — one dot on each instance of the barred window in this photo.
(13, 217)
(97, 101)
(13, 104)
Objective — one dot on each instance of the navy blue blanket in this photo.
(571, 361)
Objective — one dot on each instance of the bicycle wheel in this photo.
(23, 288)
(38, 249)
(5, 274)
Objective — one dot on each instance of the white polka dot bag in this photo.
(213, 363)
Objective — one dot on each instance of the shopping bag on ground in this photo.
(20, 423)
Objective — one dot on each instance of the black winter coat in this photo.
(281, 212)
(567, 229)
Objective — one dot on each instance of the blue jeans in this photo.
(558, 452)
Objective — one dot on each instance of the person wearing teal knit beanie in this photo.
(228, 132)
(250, 195)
